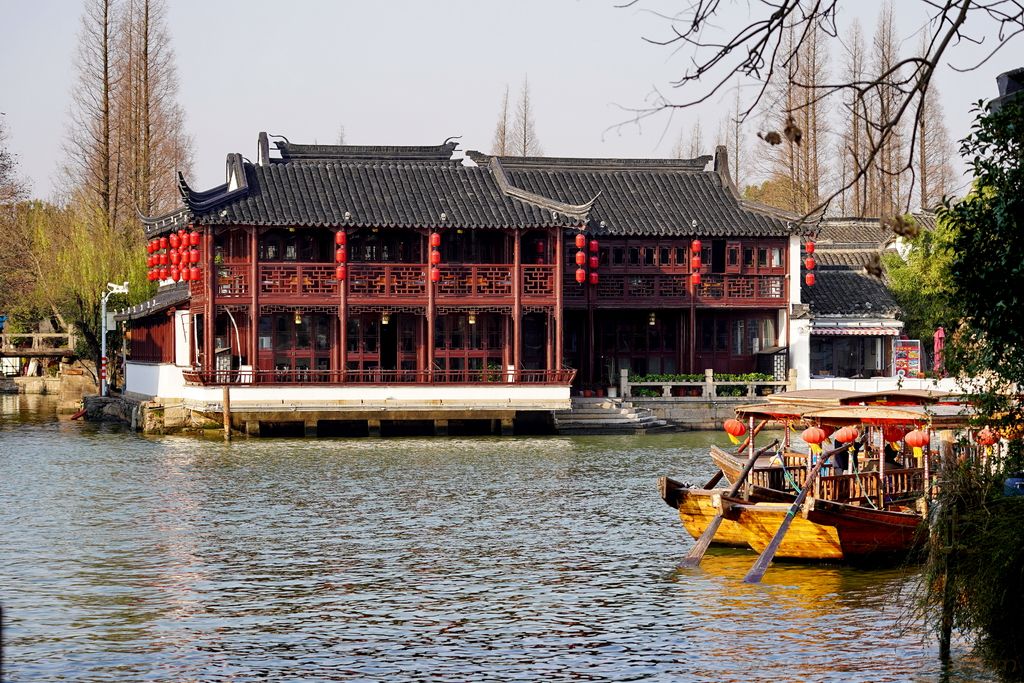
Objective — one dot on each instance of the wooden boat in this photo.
(863, 516)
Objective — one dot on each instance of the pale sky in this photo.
(406, 72)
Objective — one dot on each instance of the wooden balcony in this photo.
(370, 283)
(484, 377)
(639, 290)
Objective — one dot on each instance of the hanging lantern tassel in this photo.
(917, 440)
(814, 437)
(735, 429)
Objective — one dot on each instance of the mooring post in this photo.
(227, 412)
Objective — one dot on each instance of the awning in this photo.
(856, 331)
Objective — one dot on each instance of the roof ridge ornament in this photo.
(579, 212)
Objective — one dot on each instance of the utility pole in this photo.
(111, 289)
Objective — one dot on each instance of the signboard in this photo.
(906, 358)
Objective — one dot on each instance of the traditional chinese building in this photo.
(358, 284)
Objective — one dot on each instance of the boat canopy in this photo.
(937, 416)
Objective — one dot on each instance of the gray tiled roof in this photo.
(842, 258)
(853, 232)
(644, 197)
(413, 194)
(165, 297)
(849, 293)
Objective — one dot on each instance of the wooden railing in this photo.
(899, 484)
(639, 288)
(378, 281)
(37, 344)
(384, 377)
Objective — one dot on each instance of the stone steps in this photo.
(605, 416)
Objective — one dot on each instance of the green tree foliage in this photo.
(987, 266)
(921, 282)
(976, 554)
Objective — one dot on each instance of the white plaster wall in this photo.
(499, 394)
(795, 272)
(882, 384)
(800, 350)
(154, 379)
(182, 335)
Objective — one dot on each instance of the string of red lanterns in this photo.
(809, 263)
(695, 262)
(435, 257)
(175, 257)
(340, 255)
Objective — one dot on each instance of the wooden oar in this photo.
(765, 558)
(696, 553)
(739, 451)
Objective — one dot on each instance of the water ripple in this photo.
(148, 559)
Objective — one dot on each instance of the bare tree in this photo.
(696, 142)
(90, 144)
(152, 143)
(500, 145)
(852, 144)
(12, 188)
(888, 192)
(731, 136)
(523, 140)
(340, 139)
(935, 150)
(756, 51)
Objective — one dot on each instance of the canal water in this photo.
(128, 558)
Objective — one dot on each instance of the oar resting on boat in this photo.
(696, 553)
(765, 558)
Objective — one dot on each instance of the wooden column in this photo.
(342, 354)
(209, 314)
(517, 301)
(428, 364)
(254, 296)
(559, 313)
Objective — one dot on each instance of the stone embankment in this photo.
(147, 416)
(69, 386)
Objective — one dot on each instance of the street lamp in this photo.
(111, 289)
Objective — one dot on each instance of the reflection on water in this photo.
(130, 558)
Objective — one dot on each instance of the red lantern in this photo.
(149, 261)
(435, 274)
(163, 243)
(340, 238)
(193, 239)
(163, 273)
(734, 427)
(183, 247)
(435, 240)
(893, 434)
(809, 247)
(340, 273)
(594, 246)
(149, 275)
(175, 273)
(695, 279)
(185, 275)
(193, 256)
(809, 263)
(162, 258)
(695, 246)
(695, 263)
(581, 275)
(195, 274)
(592, 262)
(175, 257)
(581, 258)
(173, 240)
(340, 255)
(814, 436)
(581, 241)
(917, 439)
(846, 435)
(986, 437)
(540, 246)
(149, 247)
(593, 278)
(809, 279)
(435, 257)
